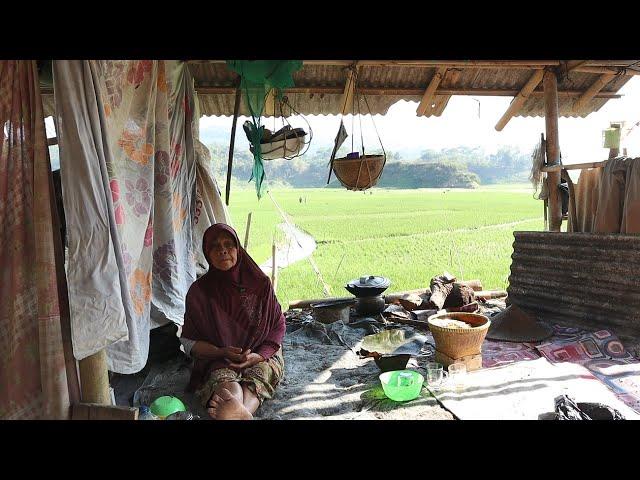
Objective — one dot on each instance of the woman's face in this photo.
(223, 252)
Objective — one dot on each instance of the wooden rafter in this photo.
(592, 91)
(519, 99)
(441, 101)
(430, 92)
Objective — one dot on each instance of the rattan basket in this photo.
(459, 342)
(359, 173)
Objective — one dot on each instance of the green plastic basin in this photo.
(401, 385)
(167, 405)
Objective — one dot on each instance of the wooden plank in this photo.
(519, 100)
(591, 92)
(80, 411)
(553, 149)
(429, 93)
(93, 411)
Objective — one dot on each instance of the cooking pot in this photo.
(368, 286)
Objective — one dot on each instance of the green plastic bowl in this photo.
(164, 406)
(401, 385)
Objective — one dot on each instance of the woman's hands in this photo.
(232, 354)
(243, 360)
(235, 357)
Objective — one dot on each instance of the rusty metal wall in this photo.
(585, 279)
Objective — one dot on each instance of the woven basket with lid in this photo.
(459, 342)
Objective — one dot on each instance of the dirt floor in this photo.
(324, 378)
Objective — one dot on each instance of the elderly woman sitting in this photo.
(233, 329)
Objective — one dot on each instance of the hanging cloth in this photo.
(257, 78)
(128, 174)
(37, 371)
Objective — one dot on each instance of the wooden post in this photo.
(274, 267)
(94, 379)
(246, 232)
(550, 83)
(236, 110)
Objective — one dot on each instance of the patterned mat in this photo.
(601, 352)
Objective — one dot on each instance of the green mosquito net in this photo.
(257, 78)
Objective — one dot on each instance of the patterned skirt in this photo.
(261, 379)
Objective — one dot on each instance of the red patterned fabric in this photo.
(33, 374)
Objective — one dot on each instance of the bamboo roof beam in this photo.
(349, 89)
(519, 100)
(430, 92)
(603, 70)
(322, 90)
(441, 100)
(592, 91)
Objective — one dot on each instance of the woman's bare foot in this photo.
(227, 407)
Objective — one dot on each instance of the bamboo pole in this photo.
(236, 110)
(246, 232)
(591, 92)
(348, 91)
(575, 166)
(519, 100)
(409, 92)
(274, 267)
(614, 70)
(441, 103)
(550, 83)
(429, 93)
(94, 379)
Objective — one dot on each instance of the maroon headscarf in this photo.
(233, 308)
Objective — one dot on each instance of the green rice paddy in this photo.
(406, 235)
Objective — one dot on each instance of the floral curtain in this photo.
(128, 189)
(37, 372)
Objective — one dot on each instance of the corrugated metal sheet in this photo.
(400, 77)
(583, 279)
(416, 78)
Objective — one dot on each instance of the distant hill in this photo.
(464, 167)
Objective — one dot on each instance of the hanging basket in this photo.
(359, 173)
(287, 148)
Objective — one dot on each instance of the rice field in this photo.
(406, 235)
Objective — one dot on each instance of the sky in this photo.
(463, 123)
